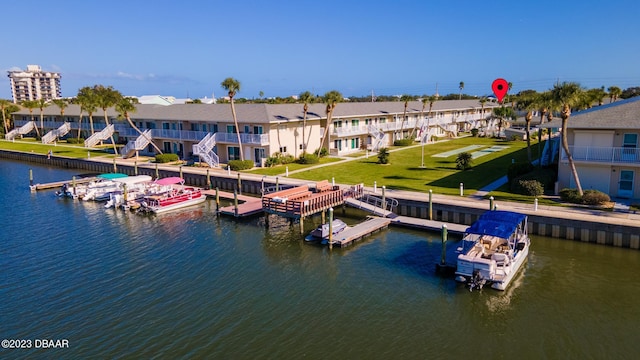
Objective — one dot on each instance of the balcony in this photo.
(608, 155)
(249, 139)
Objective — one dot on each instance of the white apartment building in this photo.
(34, 84)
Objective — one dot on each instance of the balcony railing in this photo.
(124, 130)
(604, 154)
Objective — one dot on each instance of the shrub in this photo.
(570, 195)
(595, 197)
(463, 161)
(237, 165)
(517, 169)
(383, 156)
(322, 152)
(530, 187)
(75, 140)
(308, 159)
(545, 176)
(474, 132)
(279, 159)
(403, 142)
(434, 138)
(516, 138)
(272, 161)
(165, 158)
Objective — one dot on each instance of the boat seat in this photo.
(500, 259)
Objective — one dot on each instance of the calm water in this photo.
(187, 284)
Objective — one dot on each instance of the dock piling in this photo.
(115, 167)
(384, 199)
(180, 171)
(444, 244)
(31, 177)
(208, 180)
(330, 228)
(430, 204)
(491, 203)
(277, 184)
(239, 184)
(535, 204)
(375, 187)
(235, 202)
(461, 189)
(217, 200)
(157, 174)
(135, 167)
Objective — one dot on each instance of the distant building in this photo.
(34, 84)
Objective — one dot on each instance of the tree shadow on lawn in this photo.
(398, 177)
(482, 174)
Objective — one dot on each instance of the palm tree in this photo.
(126, 106)
(107, 97)
(503, 113)
(31, 105)
(565, 96)
(331, 99)
(61, 104)
(614, 92)
(461, 86)
(306, 97)
(404, 98)
(432, 100)
(232, 86)
(527, 102)
(483, 100)
(424, 101)
(86, 98)
(42, 103)
(4, 105)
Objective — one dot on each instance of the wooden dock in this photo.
(58, 184)
(247, 205)
(355, 233)
(430, 225)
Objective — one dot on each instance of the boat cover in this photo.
(497, 223)
(170, 180)
(111, 176)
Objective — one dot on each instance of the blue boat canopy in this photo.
(497, 223)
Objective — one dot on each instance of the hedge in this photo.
(166, 158)
(237, 165)
(403, 142)
(308, 159)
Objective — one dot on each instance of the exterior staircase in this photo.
(24, 129)
(52, 135)
(204, 149)
(140, 143)
(377, 137)
(550, 151)
(99, 136)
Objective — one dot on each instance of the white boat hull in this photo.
(177, 206)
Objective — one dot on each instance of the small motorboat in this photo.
(321, 233)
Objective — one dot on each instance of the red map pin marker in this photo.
(500, 88)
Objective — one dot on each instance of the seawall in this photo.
(585, 226)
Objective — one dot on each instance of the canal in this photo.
(188, 284)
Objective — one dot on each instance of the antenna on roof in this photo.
(437, 95)
(373, 96)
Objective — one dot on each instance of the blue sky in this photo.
(186, 48)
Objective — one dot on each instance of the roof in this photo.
(623, 114)
(267, 113)
(496, 223)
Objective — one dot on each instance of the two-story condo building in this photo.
(603, 141)
(265, 129)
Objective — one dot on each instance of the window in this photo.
(383, 120)
(337, 144)
(165, 126)
(283, 149)
(213, 128)
(246, 129)
(257, 129)
(337, 124)
(355, 123)
(231, 129)
(233, 152)
(355, 143)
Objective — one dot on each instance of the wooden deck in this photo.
(302, 201)
(355, 233)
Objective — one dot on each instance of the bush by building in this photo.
(308, 159)
(237, 165)
(166, 158)
(529, 187)
(403, 142)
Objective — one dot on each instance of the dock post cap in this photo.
(444, 226)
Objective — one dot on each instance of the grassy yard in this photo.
(439, 174)
(60, 149)
(281, 169)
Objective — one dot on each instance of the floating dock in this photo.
(430, 225)
(357, 232)
(249, 205)
(58, 184)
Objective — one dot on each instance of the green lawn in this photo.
(439, 174)
(61, 149)
(281, 169)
